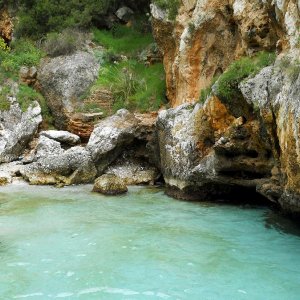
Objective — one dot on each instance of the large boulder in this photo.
(54, 165)
(17, 127)
(112, 135)
(207, 154)
(109, 185)
(63, 80)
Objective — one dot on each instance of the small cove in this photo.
(73, 244)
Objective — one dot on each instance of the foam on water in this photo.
(73, 244)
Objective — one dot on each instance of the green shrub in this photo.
(227, 86)
(23, 53)
(123, 40)
(134, 86)
(4, 103)
(37, 18)
(27, 95)
(64, 43)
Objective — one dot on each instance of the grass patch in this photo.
(133, 85)
(4, 103)
(123, 40)
(27, 95)
(227, 86)
(23, 53)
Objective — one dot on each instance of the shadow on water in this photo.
(282, 223)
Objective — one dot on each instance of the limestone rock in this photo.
(208, 154)
(6, 25)
(17, 128)
(274, 92)
(109, 185)
(63, 80)
(133, 171)
(113, 134)
(73, 166)
(62, 136)
(124, 13)
(207, 36)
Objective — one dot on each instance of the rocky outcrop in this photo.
(6, 25)
(17, 127)
(54, 165)
(207, 154)
(109, 185)
(207, 36)
(112, 135)
(63, 80)
(274, 92)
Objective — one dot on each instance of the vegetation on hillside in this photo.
(171, 6)
(227, 84)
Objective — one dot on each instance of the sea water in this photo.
(73, 244)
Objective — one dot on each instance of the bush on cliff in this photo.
(228, 82)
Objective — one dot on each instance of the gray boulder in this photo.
(17, 128)
(53, 165)
(61, 136)
(110, 136)
(124, 13)
(63, 80)
(109, 185)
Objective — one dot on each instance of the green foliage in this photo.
(27, 95)
(3, 45)
(171, 5)
(4, 103)
(64, 43)
(134, 86)
(123, 40)
(23, 53)
(39, 17)
(227, 86)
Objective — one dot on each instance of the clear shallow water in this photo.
(72, 244)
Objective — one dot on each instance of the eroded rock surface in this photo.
(110, 184)
(63, 80)
(17, 127)
(54, 165)
(207, 36)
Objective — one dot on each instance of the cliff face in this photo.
(208, 35)
(210, 150)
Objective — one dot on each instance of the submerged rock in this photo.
(109, 184)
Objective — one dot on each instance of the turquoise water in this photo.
(72, 244)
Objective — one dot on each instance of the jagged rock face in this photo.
(208, 35)
(112, 135)
(6, 25)
(63, 80)
(54, 165)
(17, 128)
(206, 153)
(275, 92)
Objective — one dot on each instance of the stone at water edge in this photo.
(109, 185)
